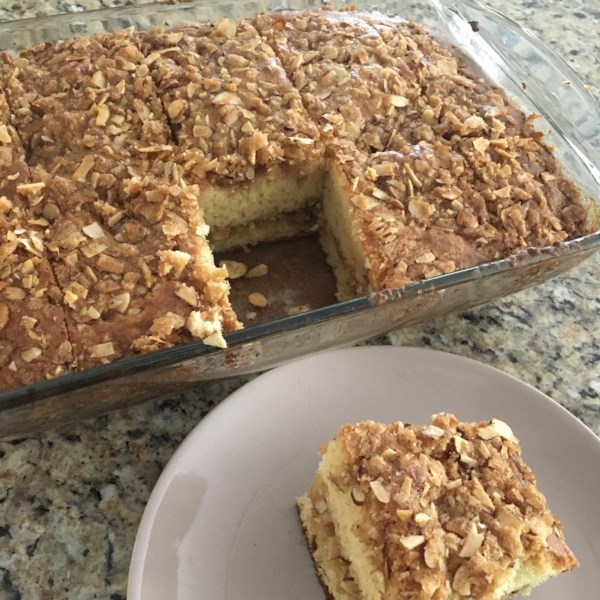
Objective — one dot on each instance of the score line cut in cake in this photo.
(443, 511)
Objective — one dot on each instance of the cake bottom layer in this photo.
(333, 569)
(281, 227)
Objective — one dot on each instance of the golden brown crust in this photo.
(448, 507)
(87, 108)
(34, 344)
(130, 130)
(233, 110)
(343, 70)
(133, 278)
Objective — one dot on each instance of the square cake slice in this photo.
(242, 133)
(442, 511)
(136, 278)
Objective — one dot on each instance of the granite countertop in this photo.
(71, 500)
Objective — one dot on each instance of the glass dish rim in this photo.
(77, 380)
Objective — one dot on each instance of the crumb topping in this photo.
(109, 142)
(233, 110)
(447, 506)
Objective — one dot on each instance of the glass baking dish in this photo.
(532, 75)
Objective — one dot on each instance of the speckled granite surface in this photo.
(71, 501)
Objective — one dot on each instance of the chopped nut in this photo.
(31, 354)
(175, 108)
(93, 249)
(226, 28)
(99, 79)
(235, 269)
(398, 101)
(433, 431)
(226, 98)
(358, 496)
(84, 168)
(420, 209)
(257, 299)
(109, 264)
(474, 122)
(384, 170)
(428, 257)
(4, 135)
(103, 115)
(4, 314)
(102, 350)
(381, 493)
(93, 312)
(302, 140)
(421, 518)
(481, 144)
(215, 339)
(472, 542)
(14, 293)
(404, 514)
(410, 542)
(120, 302)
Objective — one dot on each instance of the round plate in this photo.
(221, 523)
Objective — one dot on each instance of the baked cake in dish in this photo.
(133, 156)
(441, 511)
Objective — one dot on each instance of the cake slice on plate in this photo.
(442, 511)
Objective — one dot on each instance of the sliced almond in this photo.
(472, 542)
(257, 299)
(398, 101)
(215, 339)
(31, 354)
(175, 108)
(410, 542)
(381, 492)
(358, 496)
(4, 135)
(4, 314)
(103, 115)
(235, 269)
(102, 350)
(120, 302)
(258, 271)
(502, 428)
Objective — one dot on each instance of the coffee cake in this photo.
(442, 511)
(133, 156)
